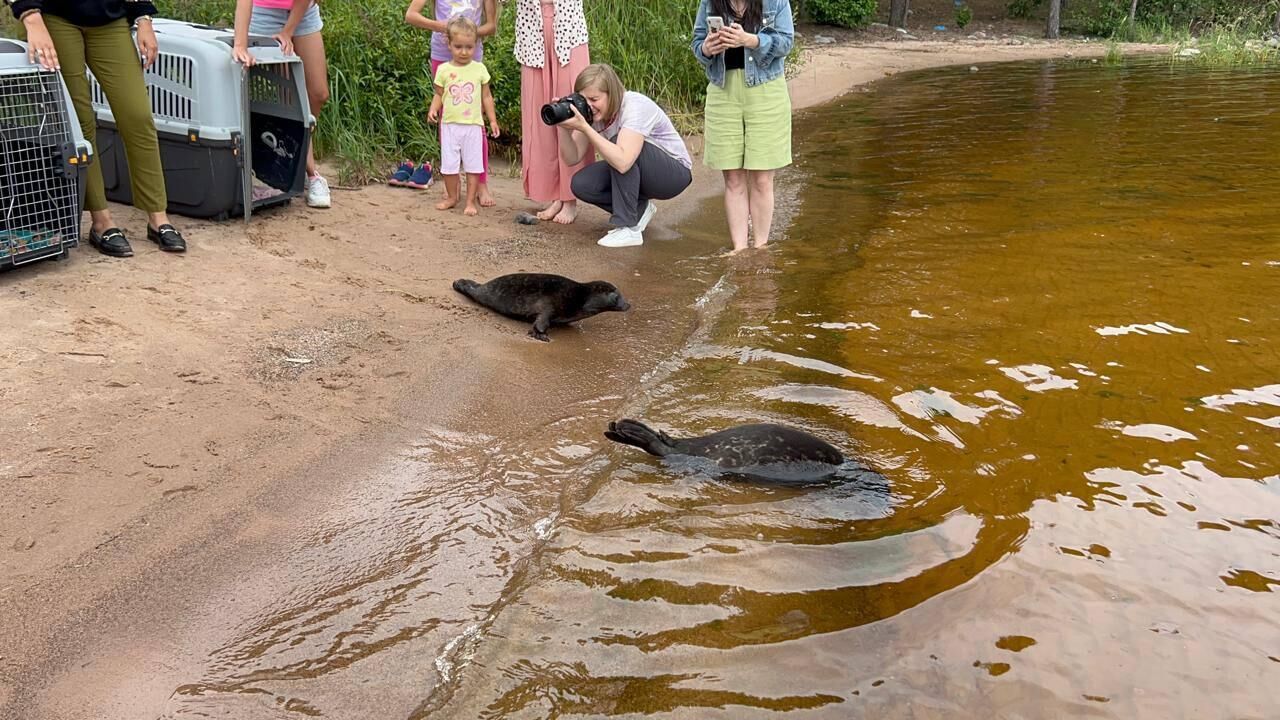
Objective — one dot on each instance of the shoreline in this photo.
(160, 439)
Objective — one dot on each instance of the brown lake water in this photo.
(1040, 300)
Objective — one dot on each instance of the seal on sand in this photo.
(545, 299)
(737, 448)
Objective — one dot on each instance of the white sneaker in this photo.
(318, 192)
(647, 216)
(622, 237)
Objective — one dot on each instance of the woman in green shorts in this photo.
(742, 45)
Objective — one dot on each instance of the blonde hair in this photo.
(603, 77)
(461, 24)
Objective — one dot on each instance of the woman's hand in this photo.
(40, 47)
(577, 122)
(713, 45)
(286, 42)
(241, 55)
(733, 36)
(147, 45)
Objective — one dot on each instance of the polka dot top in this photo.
(570, 28)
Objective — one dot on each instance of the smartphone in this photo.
(714, 23)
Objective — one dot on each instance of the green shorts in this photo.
(747, 127)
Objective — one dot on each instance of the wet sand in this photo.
(171, 418)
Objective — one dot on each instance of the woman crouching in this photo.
(643, 156)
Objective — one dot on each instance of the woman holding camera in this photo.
(551, 47)
(72, 35)
(742, 45)
(645, 158)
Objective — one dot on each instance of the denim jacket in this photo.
(762, 64)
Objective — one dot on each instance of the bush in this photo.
(1022, 8)
(844, 13)
(1171, 17)
(963, 16)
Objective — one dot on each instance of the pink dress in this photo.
(546, 177)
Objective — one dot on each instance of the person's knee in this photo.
(134, 118)
(318, 95)
(762, 181)
(578, 185)
(735, 182)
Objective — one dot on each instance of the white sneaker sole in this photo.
(605, 242)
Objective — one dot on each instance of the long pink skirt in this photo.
(546, 177)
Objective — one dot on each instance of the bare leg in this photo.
(568, 212)
(316, 69)
(450, 193)
(100, 220)
(550, 211)
(737, 207)
(761, 204)
(473, 191)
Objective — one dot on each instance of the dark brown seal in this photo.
(736, 448)
(545, 300)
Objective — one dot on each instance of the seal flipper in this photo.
(631, 432)
(540, 326)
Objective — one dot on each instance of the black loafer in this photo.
(168, 238)
(111, 242)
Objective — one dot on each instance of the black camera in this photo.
(554, 113)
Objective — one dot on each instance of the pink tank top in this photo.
(274, 4)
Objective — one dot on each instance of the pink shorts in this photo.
(461, 149)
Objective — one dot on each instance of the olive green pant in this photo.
(110, 53)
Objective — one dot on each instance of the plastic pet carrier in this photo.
(42, 157)
(232, 139)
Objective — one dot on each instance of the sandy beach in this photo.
(168, 416)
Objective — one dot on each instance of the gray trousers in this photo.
(654, 175)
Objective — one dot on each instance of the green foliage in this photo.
(844, 13)
(1022, 8)
(1168, 18)
(963, 16)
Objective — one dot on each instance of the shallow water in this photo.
(1039, 300)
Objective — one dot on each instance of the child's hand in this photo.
(433, 115)
(494, 131)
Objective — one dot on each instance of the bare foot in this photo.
(471, 210)
(447, 204)
(761, 245)
(567, 213)
(550, 211)
(737, 251)
(486, 198)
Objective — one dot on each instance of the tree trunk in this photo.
(1055, 19)
(898, 13)
(1276, 25)
(1133, 12)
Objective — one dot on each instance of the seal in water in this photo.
(545, 299)
(763, 449)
